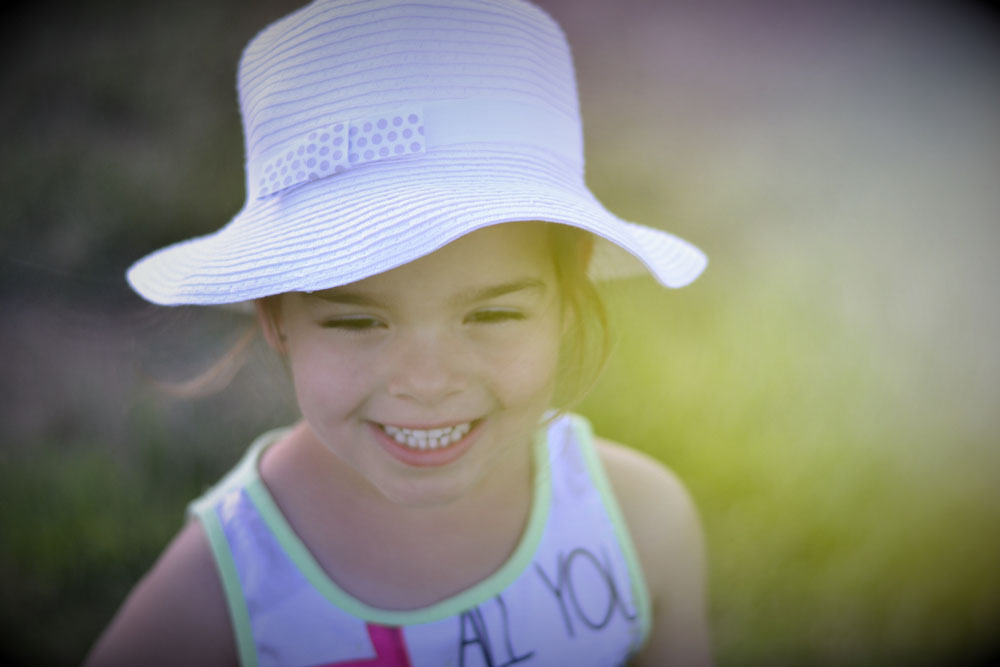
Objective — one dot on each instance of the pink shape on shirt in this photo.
(390, 649)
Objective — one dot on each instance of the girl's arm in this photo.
(176, 615)
(667, 535)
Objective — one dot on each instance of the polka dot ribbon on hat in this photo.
(335, 148)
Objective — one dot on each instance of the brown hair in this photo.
(586, 342)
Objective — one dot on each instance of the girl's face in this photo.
(430, 380)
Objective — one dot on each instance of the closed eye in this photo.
(495, 316)
(353, 323)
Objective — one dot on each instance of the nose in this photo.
(426, 369)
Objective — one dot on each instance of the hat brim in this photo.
(377, 217)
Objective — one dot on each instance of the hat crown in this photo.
(338, 60)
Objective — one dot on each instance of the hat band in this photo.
(407, 132)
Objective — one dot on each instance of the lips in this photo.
(427, 447)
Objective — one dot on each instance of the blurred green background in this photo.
(828, 390)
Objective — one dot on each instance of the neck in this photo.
(448, 546)
(301, 466)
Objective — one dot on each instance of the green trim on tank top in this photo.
(585, 436)
(205, 510)
(241, 474)
(452, 606)
(238, 612)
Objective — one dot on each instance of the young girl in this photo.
(418, 242)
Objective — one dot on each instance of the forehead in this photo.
(498, 253)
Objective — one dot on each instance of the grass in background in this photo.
(850, 519)
(79, 527)
(93, 493)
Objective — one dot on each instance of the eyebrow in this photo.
(355, 298)
(493, 291)
(344, 296)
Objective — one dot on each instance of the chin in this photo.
(424, 493)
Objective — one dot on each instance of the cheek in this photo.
(326, 380)
(527, 371)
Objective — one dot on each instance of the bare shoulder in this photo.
(176, 614)
(664, 526)
(640, 479)
(658, 509)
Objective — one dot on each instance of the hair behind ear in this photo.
(216, 377)
(586, 340)
(269, 319)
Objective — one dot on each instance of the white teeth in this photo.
(429, 439)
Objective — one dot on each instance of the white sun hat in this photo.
(377, 131)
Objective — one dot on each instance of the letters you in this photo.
(572, 569)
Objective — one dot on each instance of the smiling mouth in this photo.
(423, 440)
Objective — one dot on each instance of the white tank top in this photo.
(571, 594)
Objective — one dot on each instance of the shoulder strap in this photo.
(239, 477)
(206, 510)
(239, 615)
(584, 436)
